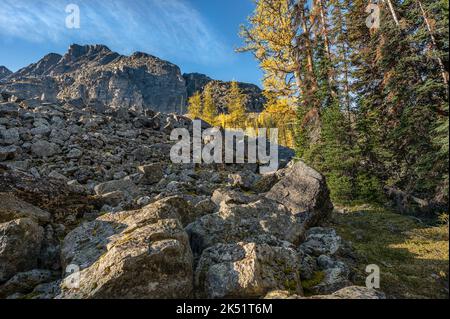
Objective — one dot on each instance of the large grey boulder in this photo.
(303, 190)
(246, 270)
(262, 221)
(20, 244)
(137, 254)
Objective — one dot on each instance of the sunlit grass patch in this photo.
(413, 257)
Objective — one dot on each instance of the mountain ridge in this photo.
(94, 75)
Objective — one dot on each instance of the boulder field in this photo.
(92, 207)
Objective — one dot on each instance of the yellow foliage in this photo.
(209, 113)
(195, 106)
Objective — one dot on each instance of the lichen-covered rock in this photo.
(245, 179)
(231, 196)
(137, 254)
(262, 221)
(12, 207)
(25, 282)
(20, 244)
(246, 270)
(303, 190)
(336, 276)
(321, 241)
(353, 292)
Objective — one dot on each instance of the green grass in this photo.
(413, 257)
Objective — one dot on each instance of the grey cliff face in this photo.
(95, 76)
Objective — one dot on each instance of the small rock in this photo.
(8, 153)
(74, 154)
(153, 173)
(124, 185)
(9, 136)
(43, 148)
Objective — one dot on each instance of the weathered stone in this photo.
(20, 244)
(42, 130)
(206, 206)
(307, 266)
(246, 271)
(113, 199)
(4, 72)
(336, 276)
(56, 175)
(8, 153)
(43, 148)
(245, 179)
(303, 190)
(124, 185)
(353, 292)
(153, 173)
(13, 208)
(321, 241)
(231, 196)
(129, 255)
(25, 282)
(74, 153)
(9, 136)
(263, 221)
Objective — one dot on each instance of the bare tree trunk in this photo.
(310, 83)
(393, 13)
(434, 44)
(324, 22)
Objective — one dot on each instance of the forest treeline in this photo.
(365, 105)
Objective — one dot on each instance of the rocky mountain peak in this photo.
(93, 75)
(41, 68)
(4, 72)
(76, 50)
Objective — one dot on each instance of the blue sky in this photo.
(198, 35)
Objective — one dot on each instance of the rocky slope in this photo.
(4, 72)
(93, 75)
(92, 207)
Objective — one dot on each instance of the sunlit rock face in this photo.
(94, 75)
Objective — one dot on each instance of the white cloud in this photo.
(169, 28)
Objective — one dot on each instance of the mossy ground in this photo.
(413, 255)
